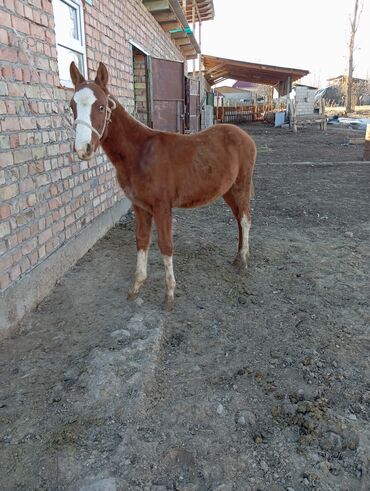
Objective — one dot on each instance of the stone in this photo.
(220, 409)
(244, 417)
(331, 441)
(107, 484)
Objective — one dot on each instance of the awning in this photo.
(219, 69)
(174, 16)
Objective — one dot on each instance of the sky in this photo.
(311, 35)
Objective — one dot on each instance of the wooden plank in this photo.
(156, 5)
(356, 141)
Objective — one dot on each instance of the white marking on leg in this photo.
(141, 271)
(84, 100)
(246, 225)
(170, 277)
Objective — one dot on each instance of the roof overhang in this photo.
(204, 10)
(219, 69)
(174, 17)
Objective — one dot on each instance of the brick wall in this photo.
(47, 196)
(305, 99)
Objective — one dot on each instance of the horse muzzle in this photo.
(86, 153)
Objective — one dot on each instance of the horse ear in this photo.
(102, 75)
(76, 75)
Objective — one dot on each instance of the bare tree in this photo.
(354, 22)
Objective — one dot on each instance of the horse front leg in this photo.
(163, 221)
(143, 236)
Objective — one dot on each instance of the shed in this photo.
(281, 78)
(305, 98)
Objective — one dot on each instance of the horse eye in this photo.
(101, 108)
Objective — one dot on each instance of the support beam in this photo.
(367, 143)
(156, 5)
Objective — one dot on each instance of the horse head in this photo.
(92, 107)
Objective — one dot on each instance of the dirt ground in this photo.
(255, 381)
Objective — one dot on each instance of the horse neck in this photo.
(126, 136)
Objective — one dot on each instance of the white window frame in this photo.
(77, 45)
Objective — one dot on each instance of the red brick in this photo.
(6, 159)
(10, 106)
(23, 234)
(25, 264)
(6, 19)
(47, 7)
(7, 72)
(26, 75)
(8, 54)
(22, 155)
(42, 252)
(10, 124)
(12, 242)
(32, 200)
(29, 247)
(26, 185)
(28, 12)
(28, 123)
(6, 262)
(34, 257)
(21, 25)
(3, 34)
(19, 8)
(45, 236)
(4, 281)
(14, 141)
(5, 211)
(37, 31)
(18, 74)
(15, 272)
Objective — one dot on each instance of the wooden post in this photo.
(294, 114)
(367, 143)
(193, 19)
(200, 46)
(322, 112)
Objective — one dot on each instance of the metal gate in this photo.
(167, 95)
(192, 117)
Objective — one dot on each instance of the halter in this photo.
(107, 119)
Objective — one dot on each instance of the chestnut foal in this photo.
(159, 170)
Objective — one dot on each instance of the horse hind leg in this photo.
(238, 201)
(163, 220)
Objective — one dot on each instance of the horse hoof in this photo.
(132, 294)
(240, 263)
(169, 303)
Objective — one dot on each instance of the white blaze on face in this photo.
(84, 100)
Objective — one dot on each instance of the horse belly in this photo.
(201, 195)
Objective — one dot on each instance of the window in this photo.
(70, 37)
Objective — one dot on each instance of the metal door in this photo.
(192, 105)
(167, 95)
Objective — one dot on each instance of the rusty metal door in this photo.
(167, 95)
(192, 105)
